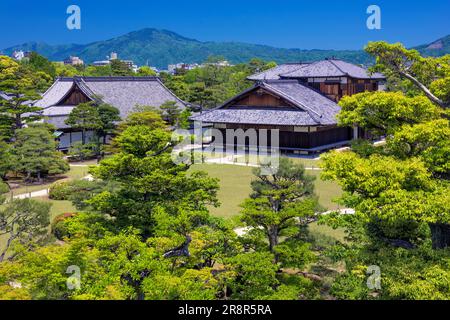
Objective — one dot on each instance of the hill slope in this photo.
(437, 48)
(161, 47)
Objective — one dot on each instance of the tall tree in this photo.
(150, 179)
(145, 71)
(24, 221)
(280, 202)
(85, 117)
(120, 68)
(170, 112)
(20, 85)
(6, 159)
(406, 180)
(395, 59)
(39, 63)
(35, 153)
(109, 117)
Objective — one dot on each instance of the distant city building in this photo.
(223, 63)
(73, 61)
(114, 56)
(130, 65)
(19, 55)
(172, 68)
(101, 63)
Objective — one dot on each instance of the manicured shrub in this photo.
(59, 227)
(60, 191)
(80, 152)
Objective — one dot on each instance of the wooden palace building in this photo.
(124, 93)
(300, 100)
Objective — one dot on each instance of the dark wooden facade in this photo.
(289, 139)
(337, 88)
(74, 97)
(261, 98)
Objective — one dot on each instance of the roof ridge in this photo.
(46, 91)
(110, 78)
(300, 67)
(170, 91)
(261, 72)
(332, 62)
(307, 109)
(85, 88)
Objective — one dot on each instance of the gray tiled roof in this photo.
(55, 93)
(331, 68)
(256, 116)
(4, 96)
(57, 111)
(58, 121)
(126, 93)
(274, 73)
(123, 93)
(313, 108)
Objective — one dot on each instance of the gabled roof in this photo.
(123, 93)
(4, 96)
(323, 68)
(55, 93)
(311, 108)
(331, 68)
(274, 73)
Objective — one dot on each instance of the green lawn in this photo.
(73, 174)
(58, 207)
(235, 187)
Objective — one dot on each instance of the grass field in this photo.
(58, 207)
(73, 174)
(235, 187)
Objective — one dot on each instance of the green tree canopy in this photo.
(35, 153)
(21, 86)
(85, 117)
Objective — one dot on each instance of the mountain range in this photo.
(162, 47)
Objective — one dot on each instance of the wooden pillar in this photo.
(355, 132)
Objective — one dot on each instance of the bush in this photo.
(60, 191)
(80, 152)
(59, 227)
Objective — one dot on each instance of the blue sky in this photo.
(306, 24)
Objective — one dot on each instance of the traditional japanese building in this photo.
(299, 100)
(124, 93)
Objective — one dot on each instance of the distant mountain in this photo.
(437, 48)
(161, 47)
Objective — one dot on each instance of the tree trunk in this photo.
(8, 244)
(18, 122)
(425, 90)
(83, 137)
(273, 240)
(440, 235)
